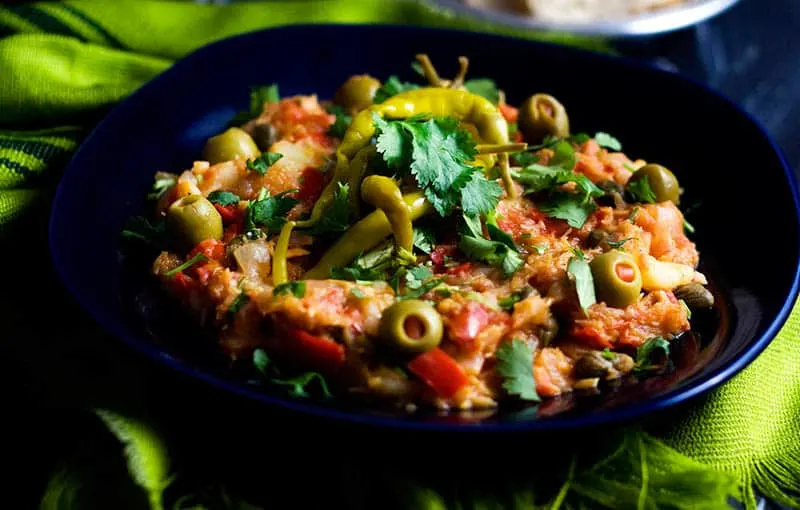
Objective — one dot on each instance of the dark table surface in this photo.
(54, 359)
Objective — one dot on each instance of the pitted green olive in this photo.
(617, 280)
(227, 146)
(541, 115)
(192, 219)
(663, 182)
(357, 92)
(411, 327)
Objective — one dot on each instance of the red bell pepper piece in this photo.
(439, 371)
(320, 352)
(211, 248)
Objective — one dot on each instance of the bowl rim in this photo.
(123, 332)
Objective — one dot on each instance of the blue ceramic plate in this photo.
(746, 221)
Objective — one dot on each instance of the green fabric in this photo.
(64, 64)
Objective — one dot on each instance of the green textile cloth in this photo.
(64, 64)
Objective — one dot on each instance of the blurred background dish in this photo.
(598, 17)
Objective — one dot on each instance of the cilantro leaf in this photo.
(640, 190)
(258, 96)
(570, 207)
(296, 288)
(439, 155)
(493, 252)
(507, 303)
(357, 293)
(391, 87)
(261, 361)
(297, 385)
(139, 228)
(342, 122)
(483, 87)
(618, 244)
(525, 158)
(373, 265)
(608, 354)
(163, 182)
(584, 283)
(688, 226)
(198, 257)
(647, 353)
(238, 302)
(515, 365)
(539, 249)
(607, 141)
(497, 234)
(223, 198)
(479, 194)
(336, 217)
(421, 290)
(270, 211)
(262, 163)
(424, 240)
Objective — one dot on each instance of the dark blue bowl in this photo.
(747, 220)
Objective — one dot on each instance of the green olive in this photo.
(411, 327)
(192, 219)
(592, 364)
(357, 92)
(227, 146)
(695, 296)
(541, 115)
(617, 280)
(663, 182)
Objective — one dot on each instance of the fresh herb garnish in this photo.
(258, 96)
(298, 384)
(584, 283)
(539, 249)
(296, 288)
(507, 303)
(139, 228)
(223, 198)
(198, 257)
(515, 365)
(493, 252)
(438, 154)
(262, 163)
(391, 87)
(608, 354)
(336, 218)
(373, 265)
(568, 207)
(607, 141)
(640, 190)
(416, 280)
(647, 354)
(357, 293)
(688, 226)
(161, 185)
(483, 87)
(424, 240)
(633, 214)
(238, 302)
(269, 211)
(342, 122)
(618, 244)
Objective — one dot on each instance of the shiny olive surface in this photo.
(229, 145)
(411, 327)
(663, 182)
(617, 280)
(541, 115)
(192, 219)
(357, 92)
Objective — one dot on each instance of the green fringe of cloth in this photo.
(64, 64)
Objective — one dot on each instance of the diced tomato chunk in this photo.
(510, 113)
(229, 213)
(319, 352)
(439, 371)
(468, 322)
(211, 248)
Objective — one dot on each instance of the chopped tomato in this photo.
(440, 252)
(211, 248)
(229, 213)
(231, 231)
(181, 283)
(461, 268)
(590, 336)
(313, 180)
(320, 352)
(468, 322)
(439, 371)
(510, 113)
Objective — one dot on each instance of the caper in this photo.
(695, 296)
(411, 327)
(596, 238)
(614, 196)
(592, 364)
(548, 332)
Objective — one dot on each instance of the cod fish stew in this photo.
(424, 245)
